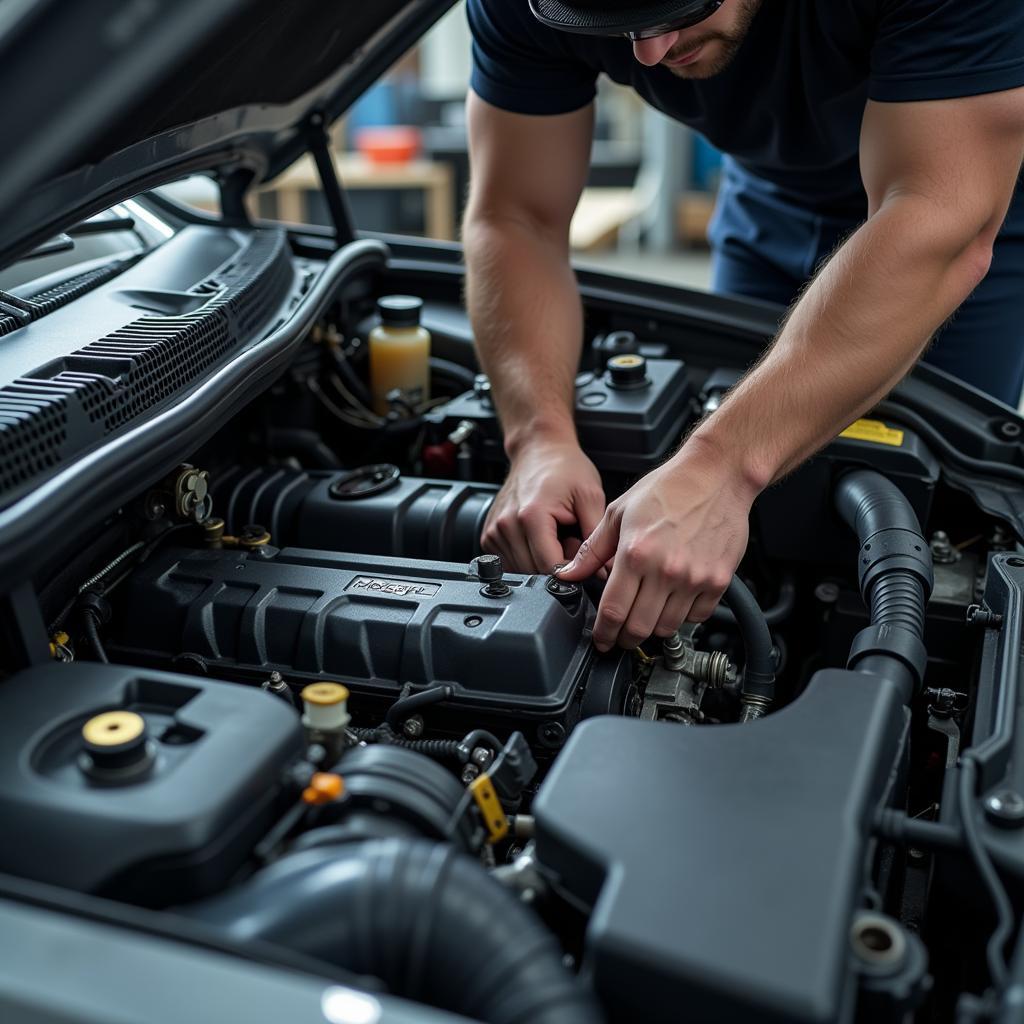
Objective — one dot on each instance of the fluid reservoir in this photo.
(399, 353)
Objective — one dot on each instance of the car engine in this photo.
(292, 705)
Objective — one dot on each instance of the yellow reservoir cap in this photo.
(324, 694)
(113, 728)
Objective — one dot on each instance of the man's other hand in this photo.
(676, 537)
(550, 484)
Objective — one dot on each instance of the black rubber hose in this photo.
(404, 707)
(896, 577)
(428, 921)
(759, 667)
(899, 601)
(453, 371)
(774, 615)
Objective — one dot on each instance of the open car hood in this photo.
(105, 97)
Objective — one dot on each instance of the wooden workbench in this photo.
(356, 172)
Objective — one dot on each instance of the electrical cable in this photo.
(92, 632)
(995, 949)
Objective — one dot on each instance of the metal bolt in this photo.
(412, 727)
(1009, 430)
(827, 593)
(943, 551)
(481, 756)
(469, 773)
(1005, 808)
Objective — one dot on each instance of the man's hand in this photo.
(550, 484)
(677, 537)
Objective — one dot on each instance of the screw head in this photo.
(1005, 808)
(469, 773)
(412, 727)
(481, 756)
(551, 734)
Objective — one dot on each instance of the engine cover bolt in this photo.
(1005, 808)
(412, 727)
(490, 571)
(469, 773)
(481, 756)
(559, 588)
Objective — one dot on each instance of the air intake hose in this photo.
(420, 916)
(896, 578)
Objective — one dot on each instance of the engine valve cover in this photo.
(375, 624)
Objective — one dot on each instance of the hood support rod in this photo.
(337, 203)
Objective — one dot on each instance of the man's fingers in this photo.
(510, 544)
(593, 552)
(541, 533)
(645, 613)
(703, 607)
(674, 614)
(590, 509)
(616, 604)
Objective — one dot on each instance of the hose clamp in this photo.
(891, 642)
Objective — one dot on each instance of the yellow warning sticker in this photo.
(875, 431)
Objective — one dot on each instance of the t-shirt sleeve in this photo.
(940, 49)
(523, 66)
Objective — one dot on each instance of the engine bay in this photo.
(291, 700)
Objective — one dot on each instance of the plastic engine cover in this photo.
(209, 787)
(373, 623)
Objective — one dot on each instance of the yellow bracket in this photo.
(490, 807)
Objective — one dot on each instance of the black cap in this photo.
(628, 372)
(622, 17)
(400, 310)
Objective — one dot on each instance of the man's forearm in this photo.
(525, 309)
(853, 335)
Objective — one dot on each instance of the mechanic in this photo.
(874, 148)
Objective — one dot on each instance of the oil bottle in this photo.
(399, 353)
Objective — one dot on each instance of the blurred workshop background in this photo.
(401, 154)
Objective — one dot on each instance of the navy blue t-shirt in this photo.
(789, 107)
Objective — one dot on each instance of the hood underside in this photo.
(105, 96)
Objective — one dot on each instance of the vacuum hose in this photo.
(423, 918)
(896, 578)
(759, 667)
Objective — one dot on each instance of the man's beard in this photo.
(726, 44)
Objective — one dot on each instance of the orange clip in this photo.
(323, 788)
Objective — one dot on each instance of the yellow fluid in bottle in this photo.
(399, 358)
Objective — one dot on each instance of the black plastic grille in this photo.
(111, 381)
(66, 291)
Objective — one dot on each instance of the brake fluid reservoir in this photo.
(399, 353)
